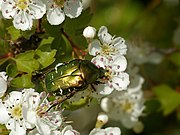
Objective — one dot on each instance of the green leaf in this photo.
(2, 61)
(152, 106)
(11, 70)
(28, 33)
(64, 50)
(52, 30)
(15, 33)
(22, 82)
(79, 22)
(46, 41)
(76, 105)
(169, 98)
(3, 130)
(74, 29)
(26, 63)
(46, 58)
(175, 58)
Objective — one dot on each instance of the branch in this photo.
(79, 52)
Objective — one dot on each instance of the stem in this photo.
(7, 55)
(39, 26)
(79, 52)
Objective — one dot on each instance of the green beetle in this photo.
(73, 76)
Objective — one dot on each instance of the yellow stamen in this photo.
(22, 4)
(127, 106)
(106, 49)
(16, 111)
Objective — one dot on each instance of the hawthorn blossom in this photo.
(115, 77)
(3, 83)
(12, 113)
(107, 45)
(57, 9)
(107, 131)
(126, 106)
(36, 113)
(23, 12)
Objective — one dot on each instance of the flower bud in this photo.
(138, 127)
(102, 119)
(89, 32)
(3, 83)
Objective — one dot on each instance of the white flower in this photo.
(108, 45)
(23, 12)
(12, 113)
(68, 130)
(37, 115)
(107, 131)
(143, 53)
(126, 106)
(3, 83)
(115, 78)
(89, 32)
(57, 9)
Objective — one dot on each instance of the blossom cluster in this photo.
(23, 12)
(127, 106)
(108, 52)
(122, 102)
(29, 112)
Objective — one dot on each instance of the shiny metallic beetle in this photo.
(73, 76)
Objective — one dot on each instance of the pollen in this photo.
(107, 49)
(16, 111)
(127, 106)
(22, 4)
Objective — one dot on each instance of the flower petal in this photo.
(3, 86)
(99, 61)
(94, 47)
(119, 44)
(104, 89)
(13, 98)
(68, 130)
(42, 127)
(118, 63)
(120, 82)
(97, 131)
(113, 131)
(4, 117)
(55, 16)
(104, 36)
(22, 21)
(19, 130)
(37, 9)
(8, 10)
(73, 8)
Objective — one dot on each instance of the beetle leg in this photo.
(61, 100)
(92, 86)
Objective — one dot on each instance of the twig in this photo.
(7, 55)
(79, 52)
